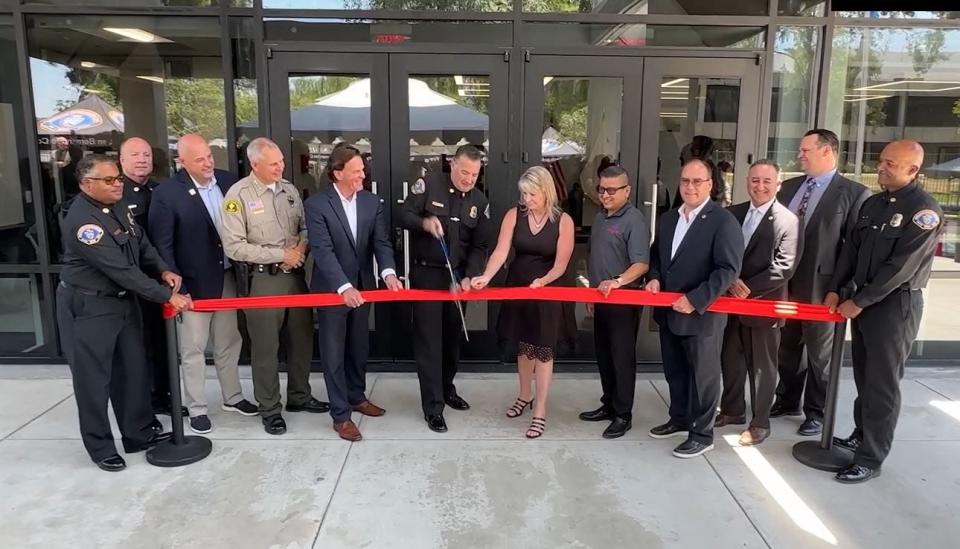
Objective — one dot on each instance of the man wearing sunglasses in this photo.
(108, 264)
(619, 257)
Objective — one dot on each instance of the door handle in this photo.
(653, 209)
(406, 245)
(401, 200)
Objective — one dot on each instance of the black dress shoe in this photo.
(436, 423)
(313, 406)
(691, 448)
(855, 473)
(810, 427)
(851, 443)
(152, 440)
(156, 426)
(600, 414)
(668, 430)
(274, 425)
(618, 428)
(779, 410)
(163, 409)
(455, 402)
(112, 464)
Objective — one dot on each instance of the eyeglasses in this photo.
(609, 190)
(693, 182)
(109, 180)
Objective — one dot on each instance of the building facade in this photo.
(569, 85)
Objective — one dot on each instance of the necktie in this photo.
(749, 225)
(805, 199)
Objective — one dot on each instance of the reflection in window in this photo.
(808, 8)
(21, 326)
(100, 80)
(641, 35)
(900, 14)
(901, 83)
(652, 7)
(246, 108)
(794, 66)
(424, 5)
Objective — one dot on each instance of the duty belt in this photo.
(95, 293)
(425, 263)
(272, 268)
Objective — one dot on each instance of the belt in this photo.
(272, 269)
(94, 293)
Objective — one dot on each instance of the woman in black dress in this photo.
(542, 237)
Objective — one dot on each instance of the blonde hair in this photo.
(538, 179)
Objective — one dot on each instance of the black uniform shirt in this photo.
(138, 198)
(105, 250)
(465, 218)
(891, 246)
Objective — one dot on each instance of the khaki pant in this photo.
(266, 326)
(195, 330)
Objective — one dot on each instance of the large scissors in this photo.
(454, 286)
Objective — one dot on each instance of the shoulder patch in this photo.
(926, 219)
(232, 206)
(418, 187)
(90, 234)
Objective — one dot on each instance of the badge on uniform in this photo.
(418, 187)
(896, 220)
(89, 234)
(192, 192)
(231, 206)
(473, 212)
(131, 206)
(437, 204)
(926, 219)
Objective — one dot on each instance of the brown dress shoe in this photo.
(347, 431)
(368, 408)
(723, 420)
(754, 436)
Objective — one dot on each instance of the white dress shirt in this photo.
(752, 220)
(683, 224)
(350, 209)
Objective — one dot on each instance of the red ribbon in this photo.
(732, 305)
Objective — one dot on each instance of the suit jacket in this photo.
(823, 236)
(706, 263)
(770, 257)
(338, 258)
(185, 235)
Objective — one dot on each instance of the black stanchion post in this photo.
(823, 455)
(179, 450)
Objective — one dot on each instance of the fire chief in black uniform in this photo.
(448, 207)
(884, 265)
(108, 263)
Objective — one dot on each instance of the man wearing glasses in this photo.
(619, 257)
(697, 253)
(108, 264)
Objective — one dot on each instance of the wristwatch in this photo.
(619, 280)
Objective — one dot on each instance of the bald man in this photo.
(884, 265)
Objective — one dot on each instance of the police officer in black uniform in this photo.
(884, 265)
(108, 263)
(444, 206)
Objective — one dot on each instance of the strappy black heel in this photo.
(537, 426)
(518, 407)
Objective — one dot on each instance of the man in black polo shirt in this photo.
(619, 257)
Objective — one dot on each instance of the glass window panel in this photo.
(795, 71)
(419, 5)
(128, 3)
(900, 14)
(390, 32)
(21, 324)
(901, 83)
(640, 35)
(657, 7)
(98, 80)
(808, 8)
(698, 118)
(18, 227)
(246, 108)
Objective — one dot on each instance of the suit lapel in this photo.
(761, 229)
(693, 229)
(666, 236)
(334, 197)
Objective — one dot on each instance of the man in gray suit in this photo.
(771, 237)
(827, 205)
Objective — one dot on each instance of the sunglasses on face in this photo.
(609, 190)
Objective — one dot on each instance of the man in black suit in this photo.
(185, 223)
(827, 205)
(771, 236)
(697, 252)
(347, 230)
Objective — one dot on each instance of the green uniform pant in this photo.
(266, 327)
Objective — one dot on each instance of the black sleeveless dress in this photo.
(533, 325)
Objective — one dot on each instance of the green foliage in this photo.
(195, 105)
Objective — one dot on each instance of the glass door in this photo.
(694, 107)
(580, 114)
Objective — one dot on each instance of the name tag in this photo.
(255, 206)
(437, 204)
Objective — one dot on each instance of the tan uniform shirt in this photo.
(258, 224)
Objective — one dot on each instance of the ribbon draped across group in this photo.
(731, 305)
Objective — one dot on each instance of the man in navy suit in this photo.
(185, 221)
(347, 229)
(697, 252)
(771, 237)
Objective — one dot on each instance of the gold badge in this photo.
(231, 206)
(896, 220)
(473, 212)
